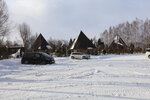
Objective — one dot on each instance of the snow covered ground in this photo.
(107, 77)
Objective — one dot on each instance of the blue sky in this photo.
(63, 19)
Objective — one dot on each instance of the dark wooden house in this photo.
(82, 43)
(118, 45)
(40, 44)
(8, 51)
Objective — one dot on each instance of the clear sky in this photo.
(63, 19)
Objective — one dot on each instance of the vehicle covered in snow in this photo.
(79, 55)
(148, 52)
(37, 58)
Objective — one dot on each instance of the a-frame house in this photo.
(40, 44)
(82, 43)
(118, 45)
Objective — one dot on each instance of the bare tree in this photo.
(8, 42)
(25, 33)
(4, 16)
(33, 37)
(136, 33)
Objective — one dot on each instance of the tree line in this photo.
(4, 21)
(135, 33)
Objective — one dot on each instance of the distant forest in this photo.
(135, 33)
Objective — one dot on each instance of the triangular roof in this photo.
(82, 42)
(118, 41)
(40, 43)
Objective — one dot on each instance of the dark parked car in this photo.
(37, 58)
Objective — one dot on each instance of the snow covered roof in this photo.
(16, 54)
(49, 47)
(73, 45)
(117, 45)
(89, 48)
(118, 40)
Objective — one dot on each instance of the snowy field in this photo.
(108, 77)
